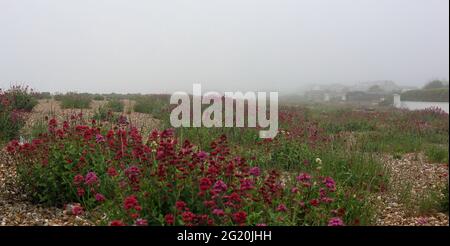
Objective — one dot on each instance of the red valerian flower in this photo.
(80, 191)
(209, 204)
(205, 184)
(329, 182)
(220, 187)
(339, 212)
(335, 222)
(112, 172)
(314, 202)
(302, 204)
(180, 205)
(246, 184)
(188, 216)
(326, 200)
(77, 210)
(99, 138)
(303, 177)
(170, 219)
(240, 217)
(78, 179)
(10, 148)
(99, 197)
(60, 133)
(116, 223)
(201, 155)
(281, 208)
(133, 173)
(322, 192)
(255, 171)
(141, 222)
(306, 162)
(218, 212)
(91, 178)
(53, 123)
(130, 202)
(234, 197)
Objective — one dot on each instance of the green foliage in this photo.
(20, 98)
(10, 125)
(75, 101)
(98, 97)
(444, 201)
(437, 154)
(376, 89)
(58, 97)
(361, 96)
(14, 103)
(156, 105)
(42, 95)
(426, 95)
(104, 113)
(435, 84)
(38, 128)
(115, 105)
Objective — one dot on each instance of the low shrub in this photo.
(14, 103)
(115, 105)
(21, 98)
(75, 101)
(98, 97)
(104, 113)
(42, 95)
(156, 105)
(426, 95)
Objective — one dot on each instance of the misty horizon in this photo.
(157, 47)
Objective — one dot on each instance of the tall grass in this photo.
(437, 154)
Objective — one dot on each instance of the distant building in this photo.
(417, 105)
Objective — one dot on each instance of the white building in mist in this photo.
(416, 105)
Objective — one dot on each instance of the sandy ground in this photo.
(412, 180)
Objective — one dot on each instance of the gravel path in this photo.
(412, 180)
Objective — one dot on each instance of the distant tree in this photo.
(375, 89)
(435, 84)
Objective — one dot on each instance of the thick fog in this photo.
(164, 46)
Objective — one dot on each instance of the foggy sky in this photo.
(163, 46)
